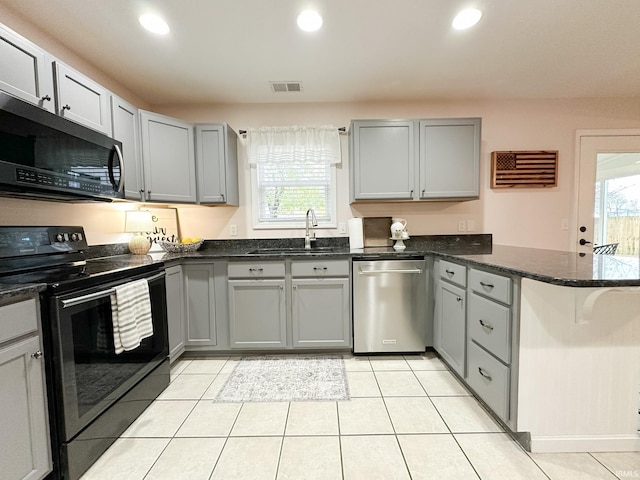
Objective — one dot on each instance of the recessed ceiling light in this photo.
(154, 23)
(466, 18)
(309, 21)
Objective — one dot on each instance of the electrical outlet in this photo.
(471, 226)
(342, 227)
(233, 230)
(462, 226)
(564, 224)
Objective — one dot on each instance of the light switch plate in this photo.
(462, 226)
(233, 230)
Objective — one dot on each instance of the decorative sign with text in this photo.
(165, 227)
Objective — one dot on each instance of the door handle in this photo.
(584, 242)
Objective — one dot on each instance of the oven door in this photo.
(89, 375)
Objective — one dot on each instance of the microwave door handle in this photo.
(120, 185)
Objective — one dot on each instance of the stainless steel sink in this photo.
(292, 250)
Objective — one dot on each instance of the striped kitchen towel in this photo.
(131, 315)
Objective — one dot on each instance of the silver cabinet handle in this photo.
(486, 285)
(450, 272)
(319, 268)
(458, 299)
(485, 325)
(485, 375)
(141, 195)
(252, 269)
(222, 195)
(37, 355)
(422, 194)
(46, 98)
(66, 107)
(411, 193)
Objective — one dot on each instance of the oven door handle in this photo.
(71, 302)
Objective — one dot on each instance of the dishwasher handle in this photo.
(406, 270)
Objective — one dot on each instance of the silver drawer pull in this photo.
(37, 354)
(450, 272)
(319, 268)
(255, 269)
(486, 285)
(485, 325)
(458, 299)
(485, 375)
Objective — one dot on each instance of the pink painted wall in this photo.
(525, 217)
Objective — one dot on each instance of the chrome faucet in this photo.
(310, 238)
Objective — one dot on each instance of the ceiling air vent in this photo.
(279, 87)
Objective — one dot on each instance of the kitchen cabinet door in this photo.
(168, 159)
(450, 322)
(82, 100)
(25, 70)
(175, 311)
(126, 129)
(383, 160)
(257, 314)
(199, 294)
(450, 158)
(321, 312)
(217, 164)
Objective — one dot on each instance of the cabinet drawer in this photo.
(256, 269)
(491, 285)
(18, 319)
(489, 325)
(453, 272)
(489, 379)
(321, 268)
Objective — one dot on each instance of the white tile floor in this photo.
(408, 417)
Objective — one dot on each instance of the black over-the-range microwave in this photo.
(43, 155)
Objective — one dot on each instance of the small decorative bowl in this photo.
(172, 247)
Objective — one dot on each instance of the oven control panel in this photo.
(21, 241)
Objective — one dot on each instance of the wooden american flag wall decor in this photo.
(524, 169)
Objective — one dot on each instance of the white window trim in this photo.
(257, 225)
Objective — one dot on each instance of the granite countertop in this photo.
(570, 269)
(549, 266)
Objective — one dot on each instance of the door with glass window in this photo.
(608, 193)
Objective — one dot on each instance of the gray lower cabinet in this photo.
(450, 315)
(175, 311)
(25, 452)
(168, 159)
(450, 326)
(257, 313)
(25, 71)
(200, 311)
(320, 312)
(217, 164)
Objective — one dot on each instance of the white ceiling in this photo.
(227, 51)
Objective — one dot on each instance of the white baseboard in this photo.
(584, 443)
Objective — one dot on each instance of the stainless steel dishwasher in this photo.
(389, 306)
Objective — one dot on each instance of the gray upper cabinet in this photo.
(217, 164)
(24, 445)
(383, 160)
(168, 159)
(415, 159)
(126, 129)
(25, 71)
(450, 158)
(82, 100)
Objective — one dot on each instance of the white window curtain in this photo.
(293, 169)
(293, 144)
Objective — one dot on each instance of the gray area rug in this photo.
(286, 378)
